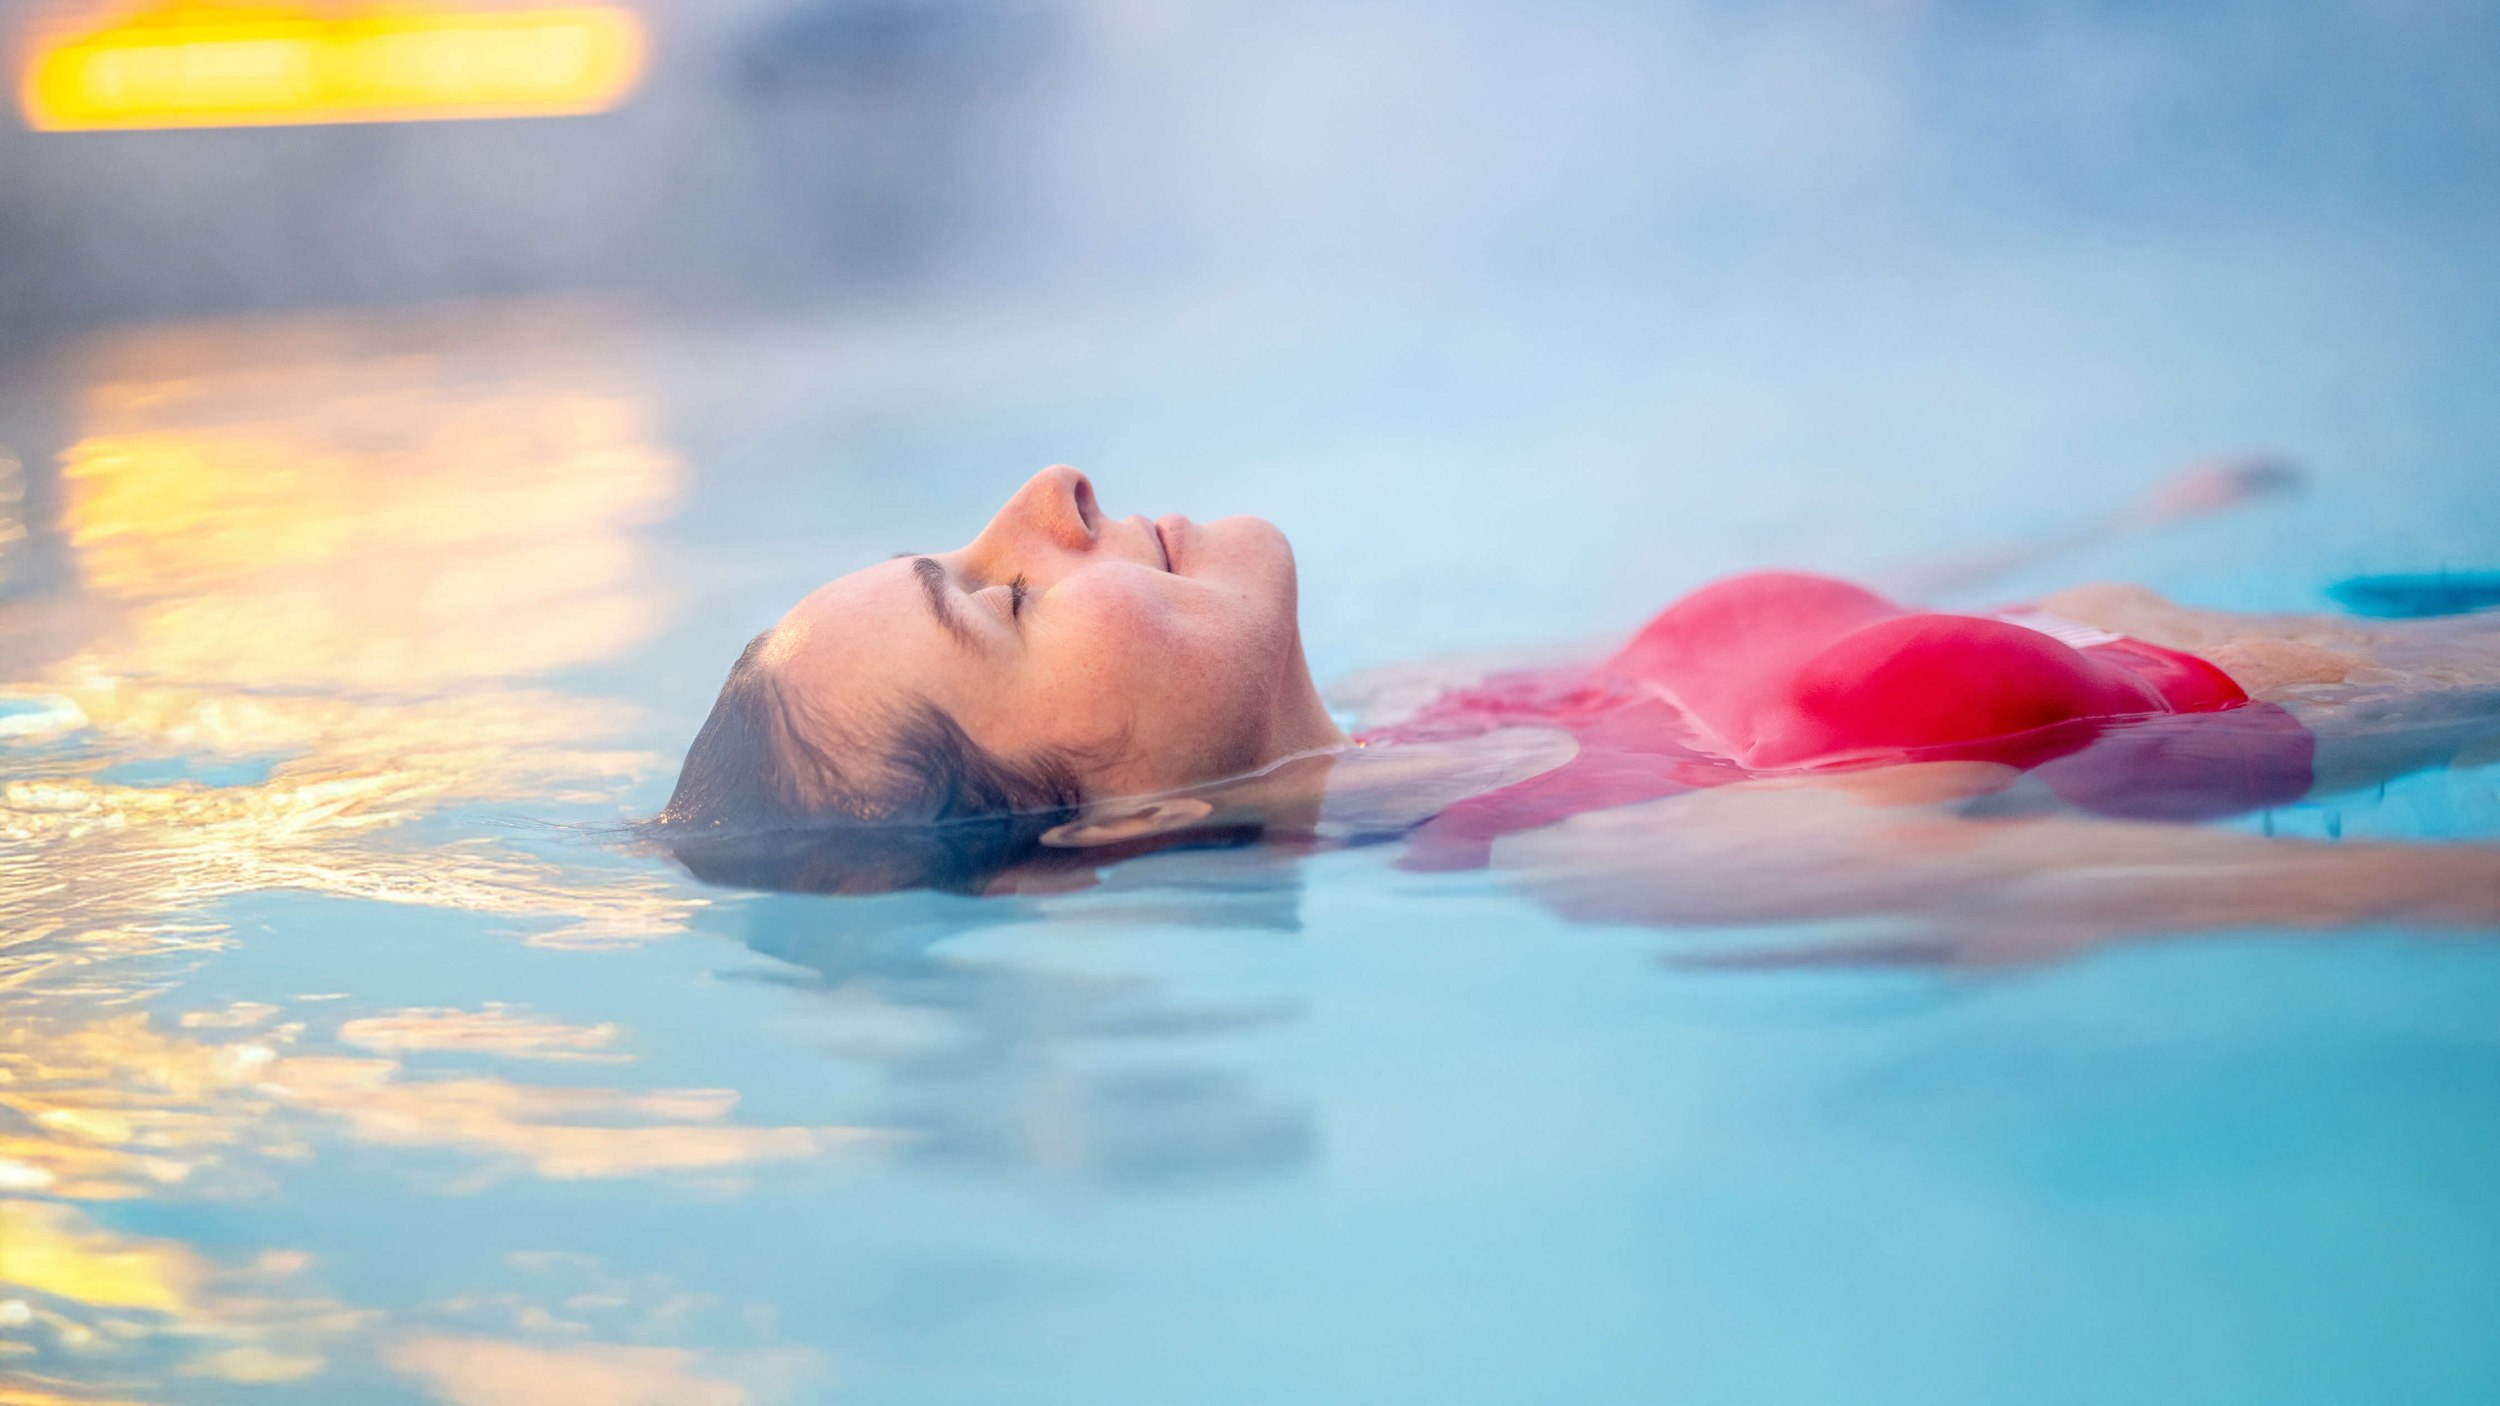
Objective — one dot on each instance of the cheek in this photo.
(1158, 668)
(1105, 657)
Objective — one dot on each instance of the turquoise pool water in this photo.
(335, 1067)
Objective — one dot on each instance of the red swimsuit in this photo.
(1781, 671)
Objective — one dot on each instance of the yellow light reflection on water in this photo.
(94, 1292)
(347, 555)
(49, 1250)
(116, 1108)
(475, 1371)
(342, 558)
(213, 65)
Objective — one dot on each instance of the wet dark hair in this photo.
(775, 795)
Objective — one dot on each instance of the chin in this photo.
(1251, 546)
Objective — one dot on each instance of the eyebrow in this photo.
(933, 585)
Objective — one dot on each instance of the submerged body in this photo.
(1779, 671)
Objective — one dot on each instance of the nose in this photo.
(1053, 513)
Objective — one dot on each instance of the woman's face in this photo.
(1149, 654)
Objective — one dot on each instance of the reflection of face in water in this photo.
(997, 1061)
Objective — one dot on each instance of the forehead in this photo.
(864, 597)
(867, 635)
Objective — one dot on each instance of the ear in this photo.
(1127, 820)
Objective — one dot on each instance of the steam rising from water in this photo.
(845, 150)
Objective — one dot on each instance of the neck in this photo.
(1302, 723)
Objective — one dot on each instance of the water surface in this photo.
(335, 1067)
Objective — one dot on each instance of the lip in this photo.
(1169, 533)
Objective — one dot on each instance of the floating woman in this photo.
(1070, 689)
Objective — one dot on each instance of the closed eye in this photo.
(1016, 594)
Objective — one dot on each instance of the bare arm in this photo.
(2200, 489)
(2382, 697)
(1886, 856)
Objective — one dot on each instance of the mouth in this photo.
(1163, 542)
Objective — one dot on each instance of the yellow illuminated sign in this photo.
(194, 65)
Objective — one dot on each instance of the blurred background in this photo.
(832, 150)
(1678, 287)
